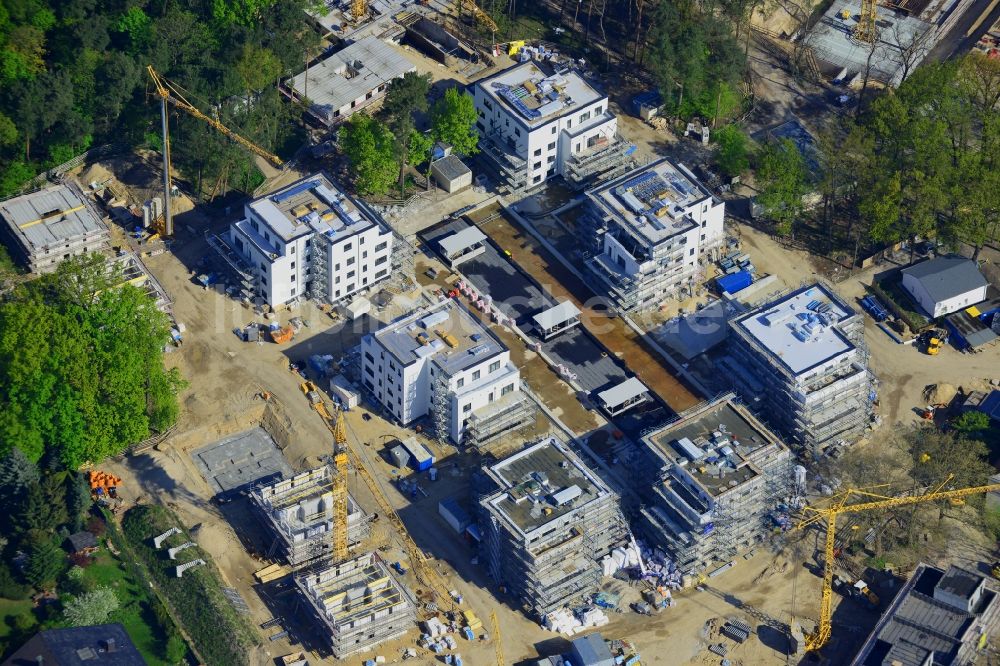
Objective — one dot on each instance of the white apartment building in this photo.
(440, 361)
(536, 123)
(310, 239)
(650, 231)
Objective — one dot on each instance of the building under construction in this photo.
(299, 514)
(800, 361)
(723, 477)
(548, 526)
(44, 228)
(357, 603)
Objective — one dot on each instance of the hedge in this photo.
(221, 636)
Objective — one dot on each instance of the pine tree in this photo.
(46, 562)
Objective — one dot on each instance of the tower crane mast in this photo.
(169, 93)
(821, 635)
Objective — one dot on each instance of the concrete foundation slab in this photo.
(237, 461)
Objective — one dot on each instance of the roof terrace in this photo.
(542, 483)
(652, 201)
(538, 96)
(311, 205)
(445, 333)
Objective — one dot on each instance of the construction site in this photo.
(480, 367)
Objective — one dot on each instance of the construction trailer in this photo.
(357, 604)
(298, 513)
(723, 478)
(46, 227)
(547, 526)
(800, 363)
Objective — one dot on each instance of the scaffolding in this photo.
(603, 163)
(835, 403)
(359, 604)
(317, 249)
(511, 169)
(511, 413)
(246, 282)
(440, 400)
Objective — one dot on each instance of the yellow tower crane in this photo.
(864, 31)
(821, 635)
(169, 92)
(340, 489)
(480, 15)
(359, 10)
(422, 568)
(496, 639)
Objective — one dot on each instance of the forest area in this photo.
(73, 76)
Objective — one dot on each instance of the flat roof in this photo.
(349, 74)
(51, 216)
(461, 240)
(451, 167)
(314, 204)
(536, 94)
(832, 41)
(800, 329)
(357, 588)
(712, 442)
(557, 314)
(446, 333)
(533, 480)
(619, 394)
(651, 201)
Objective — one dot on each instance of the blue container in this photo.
(734, 282)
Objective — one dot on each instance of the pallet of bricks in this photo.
(738, 630)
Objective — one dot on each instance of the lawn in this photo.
(8, 610)
(135, 613)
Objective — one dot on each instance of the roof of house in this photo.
(451, 167)
(51, 216)
(82, 540)
(591, 650)
(100, 645)
(535, 93)
(991, 405)
(947, 277)
(350, 74)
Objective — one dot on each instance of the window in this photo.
(552, 159)
(263, 266)
(537, 165)
(368, 369)
(584, 117)
(350, 274)
(598, 110)
(460, 383)
(703, 238)
(293, 263)
(552, 146)
(336, 294)
(569, 123)
(517, 132)
(293, 291)
(364, 255)
(577, 147)
(381, 246)
(336, 267)
(554, 129)
(481, 126)
(494, 366)
(293, 252)
(347, 247)
(536, 179)
(476, 375)
(691, 253)
(538, 151)
(369, 357)
(354, 103)
(491, 397)
(369, 95)
(467, 408)
(263, 280)
(293, 277)
(350, 287)
(350, 261)
(381, 260)
(487, 104)
(336, 280)
(704, 224)
(507, 389)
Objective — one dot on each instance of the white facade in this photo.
(939, 308)
(575, 123)
(311, 239)
(652, 228)
(437, 354)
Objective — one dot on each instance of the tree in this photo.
(405, 96)
(781, 183)
(733, 154)
(46, 562)
(369, 146)
(453, 121)
(258, 67)
(175, 648)
(938, 455)
(240, 12)
(91, 608)
(78, 501)
(77, 360)
(971, 423)
(137, 25)
(8, 131)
